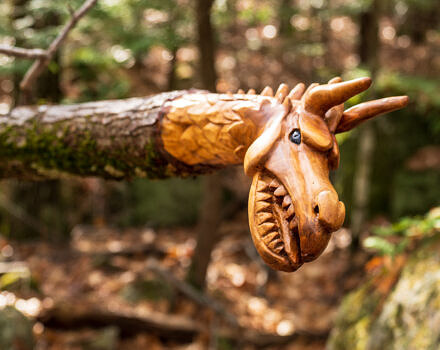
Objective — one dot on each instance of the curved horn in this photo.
(355, 115)
(321, 98)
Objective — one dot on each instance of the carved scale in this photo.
(287, 144)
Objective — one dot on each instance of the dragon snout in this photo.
(329, 210)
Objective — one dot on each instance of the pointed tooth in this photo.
(251, 92)
(286, 201)
(261, 206)
(264, 217)
(262, 186)
(240, 92)
(270, 237)
(267, 91)
(262, 196)
(290, 211)
(292, 224)
(274, 243)
(266, 227)
(274, 183)
(280, 191)
(278, 249)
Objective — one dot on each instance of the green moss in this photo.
(55, 148)
(406, 319)
(354, 320)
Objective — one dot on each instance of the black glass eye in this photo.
(295, 136)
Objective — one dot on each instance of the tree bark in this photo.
(210, 209)
(369, 49)
(110, 139)
(206, 44)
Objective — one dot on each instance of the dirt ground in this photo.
(104, 270)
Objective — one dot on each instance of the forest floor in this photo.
(101, 291)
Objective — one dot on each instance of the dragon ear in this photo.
(356, 115)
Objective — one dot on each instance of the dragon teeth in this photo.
(261, 206)
(286, 201)
(262, 196)
(277, 249)
(290, 210)
(270, 237)
(267, 226)
(264, 217)
(280, 191)
(276, 242)
(274, 183)
(292, 224)
(262, 186)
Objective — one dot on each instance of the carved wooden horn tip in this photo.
(335, 80)
(356, 115)
(321, 98)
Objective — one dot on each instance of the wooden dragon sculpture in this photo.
(285, 140)
(287, 143)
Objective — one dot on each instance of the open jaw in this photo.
(273, 223)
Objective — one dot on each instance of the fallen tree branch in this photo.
(83, 316)
(178, 328)
(22, 52)
(38, 67)
(192, 293)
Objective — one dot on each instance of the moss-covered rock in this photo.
(407, 318)
(15, 330)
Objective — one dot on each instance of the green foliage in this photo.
(168, 202)
(414, 192)
(396, 238)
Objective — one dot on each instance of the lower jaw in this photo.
(273, 223)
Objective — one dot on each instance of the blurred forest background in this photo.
(75, 254)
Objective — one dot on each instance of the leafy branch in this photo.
(396, 238)
(45, 56)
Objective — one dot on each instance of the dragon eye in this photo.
(295, 136)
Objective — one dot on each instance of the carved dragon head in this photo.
(287, 143)
(293, 207)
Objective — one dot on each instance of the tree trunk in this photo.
(206, 44)
(110, 139)
(369, 49)
(210, 210)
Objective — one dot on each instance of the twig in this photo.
(199, 297)
(22, 52)
(20, 214)
(38, 67)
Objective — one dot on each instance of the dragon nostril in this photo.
(316, 209)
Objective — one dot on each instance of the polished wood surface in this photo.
(286, 142)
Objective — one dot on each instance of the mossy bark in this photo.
(110, 139)
(407, 318)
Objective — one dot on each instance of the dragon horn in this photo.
(355, 115)
(321, 98)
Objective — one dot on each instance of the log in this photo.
(109, 139)
(69, 316)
